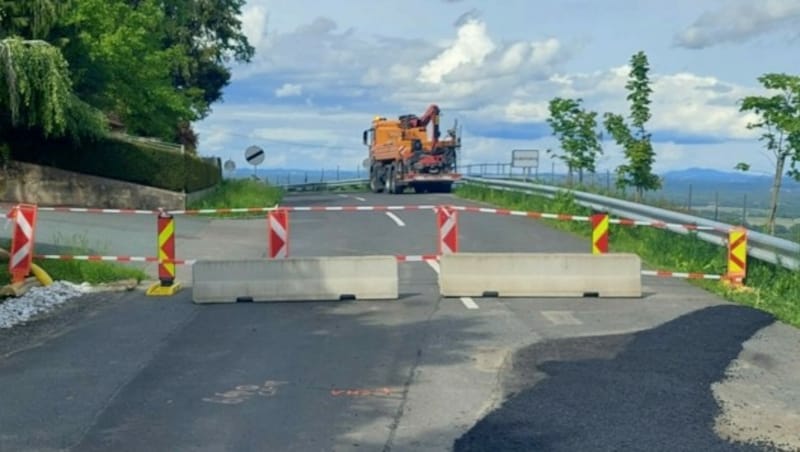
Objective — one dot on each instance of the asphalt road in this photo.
(125, 372)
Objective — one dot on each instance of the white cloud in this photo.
(289, 90)
(475, 76)
(254, 24)
(472, 46)
(739, 21)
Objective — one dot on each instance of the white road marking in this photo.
(469, 303)
(561, 318)
(395, 218)
(359, 198)
(343, 196)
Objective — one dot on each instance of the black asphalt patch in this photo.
(647, 391)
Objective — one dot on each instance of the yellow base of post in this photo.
(158, 290)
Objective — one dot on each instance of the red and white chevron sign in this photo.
(19, 265)
(278, 234)
(447, 221)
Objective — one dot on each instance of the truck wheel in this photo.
(396, 187)
(374, 180)
(389, 183)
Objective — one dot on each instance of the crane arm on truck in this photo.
(402, 155)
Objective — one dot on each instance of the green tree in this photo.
(122, 67)
(779, 118)
(636, 144)
(576, 129)
(211, 35)
(31, 19)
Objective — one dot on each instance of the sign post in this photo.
(525, 159)
(230, 166)
(254, 156)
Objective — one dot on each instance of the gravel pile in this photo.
(38, 300)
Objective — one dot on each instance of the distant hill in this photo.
(705, 176)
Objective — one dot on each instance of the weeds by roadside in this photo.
(239, 193)
(78, 271)
(773, 289)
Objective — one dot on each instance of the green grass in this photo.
(239, 193)
(773, 289)
(78, 271)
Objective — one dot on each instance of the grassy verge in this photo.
(239, 193)
(773, 289)
(78, 271)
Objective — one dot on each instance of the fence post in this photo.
(737, 257)
(599, 233)
(22, 241)
(167, 284)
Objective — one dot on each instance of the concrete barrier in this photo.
(295, 279)
(540, 275)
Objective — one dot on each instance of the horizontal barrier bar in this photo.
(684, 275)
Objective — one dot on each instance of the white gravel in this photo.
(38, 300)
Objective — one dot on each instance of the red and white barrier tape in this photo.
(93, 258)
(685, 275)
(68, 257)
(354, 208)
(417, 258)
(522, 213)
(92, 210)
(663, 225)
(238, 209)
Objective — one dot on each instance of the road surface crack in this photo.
(407, 385)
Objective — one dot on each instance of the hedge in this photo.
(118, 160)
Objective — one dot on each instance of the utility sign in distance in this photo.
(230, 165)
(254, 155)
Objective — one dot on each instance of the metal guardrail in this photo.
(324, 185)
(760, 246)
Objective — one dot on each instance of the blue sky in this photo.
(324, 69)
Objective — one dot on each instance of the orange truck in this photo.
(401, 154)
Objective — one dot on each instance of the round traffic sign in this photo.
(230, 165)
(254, 155)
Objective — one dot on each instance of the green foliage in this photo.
(37, 88)
(118, 160)
(79, 271)
(774, 289)
(576, 129)
(779, 118)
(122, 67)
(239, 193)
(636, 144)
(742, 166)
(30, 18)
(157, 66)
(210, 33)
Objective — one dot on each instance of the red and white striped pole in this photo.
(447, 222)
(278, 234)
(22, 240)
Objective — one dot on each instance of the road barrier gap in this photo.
(24, 216)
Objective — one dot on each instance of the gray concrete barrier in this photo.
(295, 279)
(540, 275)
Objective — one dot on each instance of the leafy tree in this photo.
(210, 33)
(32, 19)
(157, 66)
(638, 149)
(779, 118)
(36, 92)
(576, 129)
